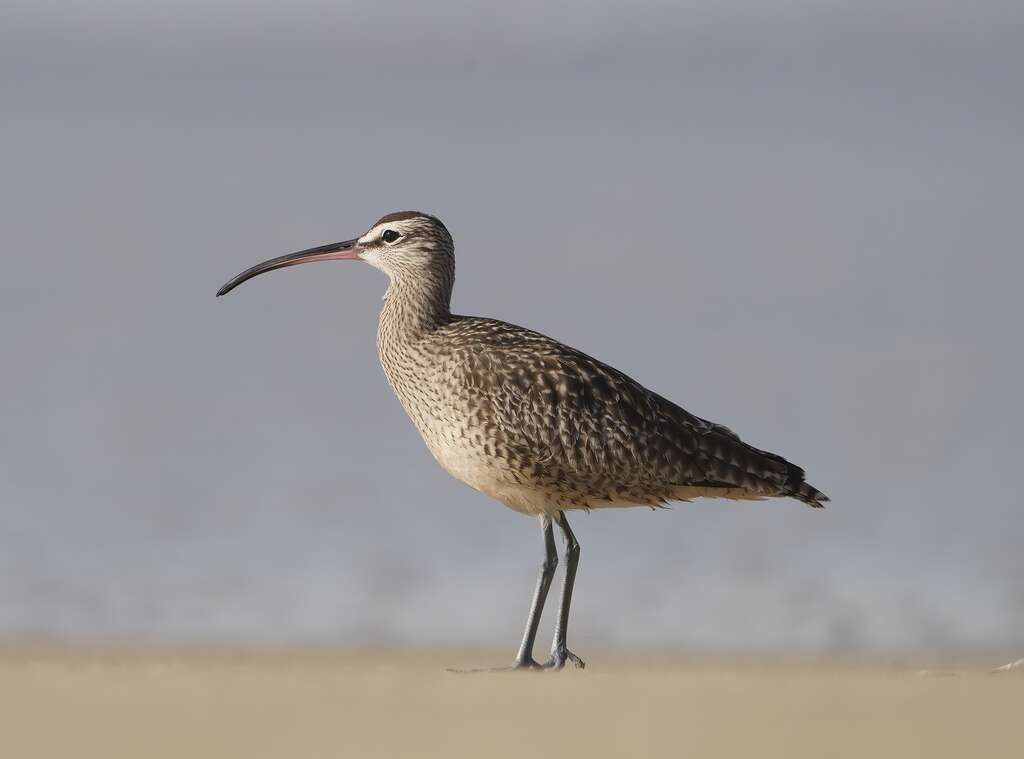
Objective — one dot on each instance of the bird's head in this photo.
(404, 244)
(408, 242)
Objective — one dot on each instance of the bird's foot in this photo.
(559, 657)
(520, 665)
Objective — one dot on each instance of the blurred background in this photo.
(800, 219)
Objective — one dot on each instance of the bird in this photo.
(535, 424)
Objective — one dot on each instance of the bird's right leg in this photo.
(524, 658)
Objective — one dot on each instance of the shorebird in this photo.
(539, 426)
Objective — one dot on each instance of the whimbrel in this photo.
(539, 426)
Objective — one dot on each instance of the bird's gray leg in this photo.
(560, 652)
(524, 658)
(547, 570)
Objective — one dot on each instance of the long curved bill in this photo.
(335, 251)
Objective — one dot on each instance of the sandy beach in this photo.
(113, 702)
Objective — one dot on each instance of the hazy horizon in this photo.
(801, 221)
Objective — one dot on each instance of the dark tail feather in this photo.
(797, 487)
(811, 496)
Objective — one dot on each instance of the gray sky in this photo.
(799, 219)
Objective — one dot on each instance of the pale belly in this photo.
(493, 478)
(517, 490)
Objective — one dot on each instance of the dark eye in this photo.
(390, 235)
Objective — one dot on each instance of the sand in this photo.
(115, 702)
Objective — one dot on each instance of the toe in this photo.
(576, 661)
(560, 656)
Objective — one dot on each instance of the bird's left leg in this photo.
(560, 652)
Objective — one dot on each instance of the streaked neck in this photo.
(416, 304)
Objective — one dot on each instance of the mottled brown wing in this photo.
(558, 409)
